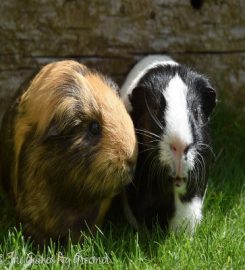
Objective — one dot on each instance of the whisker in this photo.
(208, 147)
(153, 117)
(147, 132)
(147, 144)
(148, 149)
(154, 141)
(203, 180)
(148, 156)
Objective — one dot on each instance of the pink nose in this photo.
(179, 149)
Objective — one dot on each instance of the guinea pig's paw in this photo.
(187, 215)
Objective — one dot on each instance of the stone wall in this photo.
(113, 34)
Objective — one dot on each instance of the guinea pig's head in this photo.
(80, 136)
(171, 109)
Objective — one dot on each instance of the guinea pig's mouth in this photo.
(179, 181)
(128, 177)
(120, 182)
(124, 177)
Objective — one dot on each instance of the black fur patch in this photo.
(151, 195)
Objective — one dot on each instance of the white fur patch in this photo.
(187, 215)
(176, 111)
(177, 128)
(138, 71)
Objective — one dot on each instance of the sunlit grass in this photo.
(219, 242)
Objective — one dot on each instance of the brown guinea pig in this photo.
(67, 147)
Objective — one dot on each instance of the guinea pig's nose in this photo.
(179, 149)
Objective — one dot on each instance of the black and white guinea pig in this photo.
(170, 105)
(68, 146)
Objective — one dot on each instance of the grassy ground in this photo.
(219, 242)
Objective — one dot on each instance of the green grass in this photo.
(219, 242)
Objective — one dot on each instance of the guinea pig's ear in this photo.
(209, 100)
(137, 98)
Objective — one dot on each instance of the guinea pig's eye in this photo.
(95, 128)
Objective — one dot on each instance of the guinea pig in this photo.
(170, 105)
(68, 146)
